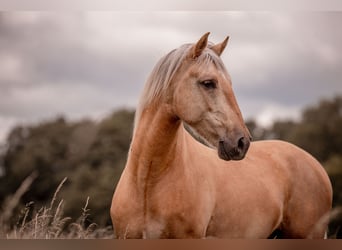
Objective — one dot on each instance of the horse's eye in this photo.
(209, 84)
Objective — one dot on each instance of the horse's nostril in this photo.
(241, 143)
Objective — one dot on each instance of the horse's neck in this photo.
(155, 143)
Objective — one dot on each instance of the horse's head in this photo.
(203, 98)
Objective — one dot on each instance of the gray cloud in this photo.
(88, 63)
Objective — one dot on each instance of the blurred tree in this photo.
(101, 166)
(319, 131)
(92, 156)
(42, 149)
(112, 139)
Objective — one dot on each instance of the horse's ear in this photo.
(219, 48)
(198, 48)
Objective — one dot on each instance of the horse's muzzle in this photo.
(233, 149)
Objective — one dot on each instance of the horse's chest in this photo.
(167, 209)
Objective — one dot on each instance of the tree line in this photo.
(92, 156)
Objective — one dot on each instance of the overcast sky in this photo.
(86, 64)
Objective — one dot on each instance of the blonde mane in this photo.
(162, 74)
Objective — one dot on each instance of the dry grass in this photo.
(47, 222)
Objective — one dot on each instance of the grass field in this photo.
(48, 222)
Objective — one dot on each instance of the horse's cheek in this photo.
(190, 113)
(185, 107)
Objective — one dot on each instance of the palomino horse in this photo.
(175, 187)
